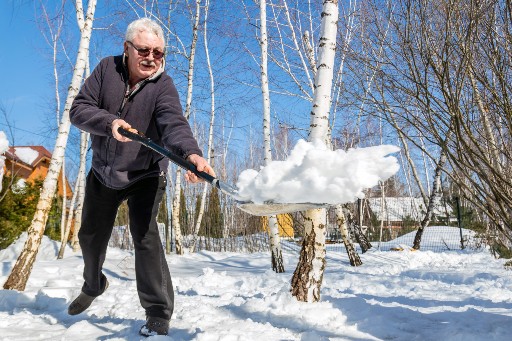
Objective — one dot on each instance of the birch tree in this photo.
(434, 199)
(210, 149)
(75, 208)
(75, 212)
(308, 276)
(20, 273)
(54, 31)
(355, 226)
(273, 227)
(84, 141)
(341, 221)
(190, 85)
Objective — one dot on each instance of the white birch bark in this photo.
(192, 57)
(20, 273)
(273, 227)
(319, 125)
(66, 224)
(52, 41)
(310, 52)
(168, 202)
(190, 85)
(341, 221)
(76, 195)
(84, 141)
(307, 278)
(210, 132)
(178, 237)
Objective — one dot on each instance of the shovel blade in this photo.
(268, 209)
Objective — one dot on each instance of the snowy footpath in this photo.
(422, 295)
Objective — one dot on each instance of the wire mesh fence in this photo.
(256, 242)
(389, 223)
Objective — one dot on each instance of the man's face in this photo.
(141, 67)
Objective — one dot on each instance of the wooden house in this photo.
(285, 224)
(31, 163)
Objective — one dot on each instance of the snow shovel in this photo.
(265, 209)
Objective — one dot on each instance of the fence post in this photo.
(459, 222)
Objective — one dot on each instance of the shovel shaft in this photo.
(167, 153)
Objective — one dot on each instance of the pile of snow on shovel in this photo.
(315, 174)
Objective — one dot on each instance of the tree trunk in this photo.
(190, 84)
(168, 202)
(435, 196)
(18, 278)
(67, 229)
(275, 245)
(361, 239)
(84, 141)
(341, 221)
(307, 278)
(210, 133)
(273, 227)
(178, 237)
(357, 229)
(75, 213)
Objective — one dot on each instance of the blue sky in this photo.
(27, 91)
(26, 87)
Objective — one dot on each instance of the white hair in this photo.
(143, 25)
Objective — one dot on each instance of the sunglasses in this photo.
(157, 54)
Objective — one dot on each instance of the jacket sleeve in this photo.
(85, 112)
(173, 127)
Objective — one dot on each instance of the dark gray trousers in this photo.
(154, 284)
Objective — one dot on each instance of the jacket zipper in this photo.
(119, 113)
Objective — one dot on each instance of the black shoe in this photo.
(82, 302)
(155, 326)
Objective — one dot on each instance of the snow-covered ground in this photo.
(421, 295)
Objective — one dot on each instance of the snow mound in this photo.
(48, 250)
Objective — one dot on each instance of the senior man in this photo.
(131, 91)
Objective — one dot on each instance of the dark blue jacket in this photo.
(153, 108)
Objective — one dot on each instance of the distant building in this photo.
(32, 167)
(394, 211)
